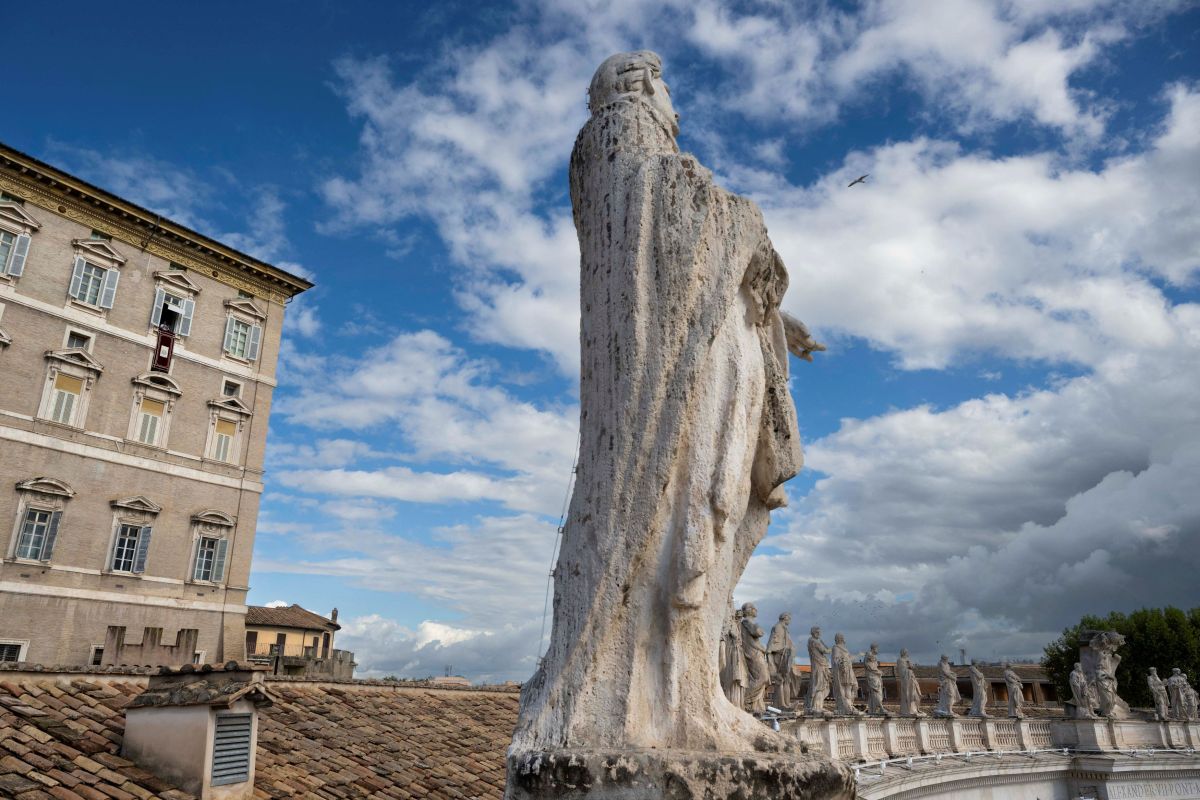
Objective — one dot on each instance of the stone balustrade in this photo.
(870, 739)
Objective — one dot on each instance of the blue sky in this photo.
(1003, 434)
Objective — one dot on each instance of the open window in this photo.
(174, 303)
(16, 233)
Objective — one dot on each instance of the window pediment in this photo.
(99, 252)
(246, 307)
(176, 282)
(50, 486)
(212, 518)
(76, 358)
(137, 503)
(232, 404)
(5, 339)
(14, 217)
(160, 381)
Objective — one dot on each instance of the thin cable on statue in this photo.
(562, 521)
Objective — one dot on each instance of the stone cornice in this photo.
(45, 186)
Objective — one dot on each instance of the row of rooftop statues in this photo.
(753, 674)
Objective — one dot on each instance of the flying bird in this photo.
(859, 179)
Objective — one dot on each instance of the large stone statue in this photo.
(910, 687)
(1158, 691)
(845, 684)
(781, 655)
(758, 673)
(687, 434)
(733, 663)
(1183, 697)
(1100, 660)
(1016, 692)
(1083, 699)
(948, 694)
(874, 676)
(979, 691)
(818, 675)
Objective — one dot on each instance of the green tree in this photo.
(1154, 637)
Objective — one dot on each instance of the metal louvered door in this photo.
(231, 749)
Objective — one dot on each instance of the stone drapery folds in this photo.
(687, 433)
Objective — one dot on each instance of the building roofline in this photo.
(154, 225)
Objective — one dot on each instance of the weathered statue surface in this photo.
(758, 672)
(1158, 691)
(733, 662)
(1016, 692)
(948, 694)
(979, 691)
(1100, 662)
(910, 687)
(845, 684)
(818, 676)
(781, 655)
(1082, 697)
(687, 433)
(874, 676)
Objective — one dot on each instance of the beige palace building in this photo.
(137, 364)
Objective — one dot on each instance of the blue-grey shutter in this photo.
(185, 323)
(51, 536)
(196, 559)
(160, 297)
(252, 346)
(109, 295)
(228, 334)
(231, 749)
(218, 572)
(76, 278)
(20, 250)
(143, 547)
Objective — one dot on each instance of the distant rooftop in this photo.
(292, 616)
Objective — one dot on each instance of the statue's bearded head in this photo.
(636, 75)
(815, 632)
(839, 638)
(749, 611)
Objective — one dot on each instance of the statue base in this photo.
(673, 775)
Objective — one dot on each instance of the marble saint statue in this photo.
(1016, 692)
(874, 676)
(910, 687)
(818, 676)
(948, 694)
(687, 435)
(1100, 661)
(1158, 691)
(1183, 696)
(1083, 699)
(758, 673)
(979, 691)
(781, 655)
(845, 683)
(733, 662)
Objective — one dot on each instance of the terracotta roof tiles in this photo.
(292, 616)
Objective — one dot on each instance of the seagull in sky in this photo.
(859, 179)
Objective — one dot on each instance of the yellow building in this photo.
(295, 641)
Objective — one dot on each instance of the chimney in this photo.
(197, 728)
(333, 616)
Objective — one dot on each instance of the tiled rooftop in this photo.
(60, 737)
(292, 616)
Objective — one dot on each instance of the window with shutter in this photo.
(150, 420)
(109, 295)
(67, 389)
(125, 548)
(13, 250)
(139, 558)
(34, 530)
(223, 438)
(206, 557)
(231, 749)
(89, 282)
